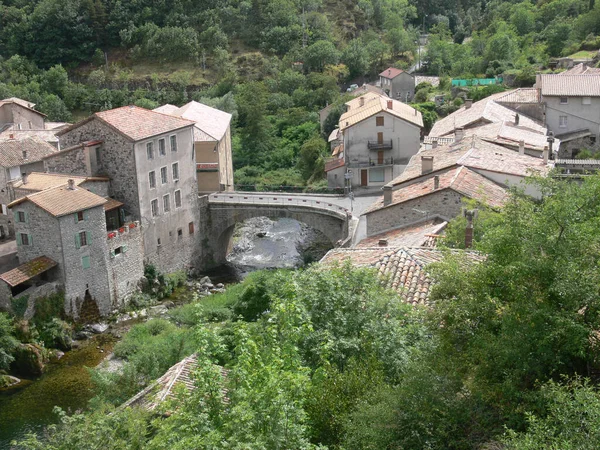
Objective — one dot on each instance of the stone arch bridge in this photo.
(228, 208)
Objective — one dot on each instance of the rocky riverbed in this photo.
(262, 243)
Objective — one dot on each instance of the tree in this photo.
(320, 54)
(356, 58)
(311, 152)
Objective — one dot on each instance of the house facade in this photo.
(17, 114)
(377, 137)
(212, 144)
(397, 84)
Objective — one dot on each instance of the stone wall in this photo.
(71, 161)
(126, 267)
(117, 161)
(101, 188)
(445, 203)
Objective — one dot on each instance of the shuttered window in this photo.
(85, 262)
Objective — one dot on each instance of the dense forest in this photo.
(272, 63)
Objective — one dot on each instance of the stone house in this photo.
(17, 158)
(212, 144)
(17, 114)
(436, 181)
(377, 137)
(150, 161)
(64, 231)
(397, 84)
(572, 108)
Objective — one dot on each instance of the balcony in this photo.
(371, 162)
(376, 145)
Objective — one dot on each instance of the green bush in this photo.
(55, 333)
(253, 295)
(48, 308)
(19, 306)
(8, 343)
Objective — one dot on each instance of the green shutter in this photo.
(26, 217)
(88, 235)
(77, 241)
(124, 249)
(86, 215)
(85, 262)
(112, 254)
(19, 241)
(30, 239)
(75, 216)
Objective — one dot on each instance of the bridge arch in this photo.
(228, 209)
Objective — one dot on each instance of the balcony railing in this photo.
(371, 162)
(376, 145)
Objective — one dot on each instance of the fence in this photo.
(477, 82)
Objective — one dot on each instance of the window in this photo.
(85, 262)
(592, 139)
(175, 171)
(376, 175)
(179, 233)
(97, 155)
(21, 216)
(152, 179)
(162, 147)
(564, 100)
(80, 216)
(177, 199)
(166, 203)
(23, 239)
(149, 150)
(173, 143)
(154, 207)
(158, 242)
(82, 239)
(586, 100)
(379, 121)
(163, 175)
(191, 227)
(562, 121)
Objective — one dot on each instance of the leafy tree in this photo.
(7, 341)
(311, 152)
(356, 58)
(320, 54)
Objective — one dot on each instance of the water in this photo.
(66, 383)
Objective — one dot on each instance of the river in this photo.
(258, 243)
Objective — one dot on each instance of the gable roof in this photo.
(375, 104)
(392, 72)
(11, 151)
(135, 123)
(581, 69)
(45, 135)
(421, 234)
(211, 122)
(403, 269)
(483, 112)
(583, 85)
(40, 181)
(509, 135)
(61, 200)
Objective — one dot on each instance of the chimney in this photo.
(70, 184)
(389, 71)
(24, 177)
(468, 103)
(521, 147)
(390, 104)
(545, 154)
(459, 134)
(436, 183)
(362, 101)
(434, 143)
(11, 136)
(24, 154)
(383, 242)
(517, 118)
(387, 195)
(426, 164)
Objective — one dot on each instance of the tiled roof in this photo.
(45, 135)
(38, 181)
(458, 179)
(20, 102)
(375, 104)
(333, 135)
(111, 204)
(416, 235)
(211, 122)
(56, 125)
(402, 269)
(483, 112)
(11, 151)
(570, 85)
(27, 271)
(61, 200)
(391, 73)
(135, 123)
(581, 69)
(507, 134)
(521, 95)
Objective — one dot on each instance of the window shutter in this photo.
(26, 217)
(85, 262)
(77, 241)
(75, 216)
(86, 215)
(124, 249)
(88, 235)
(30, 239)
(19, 241)
(112, 254)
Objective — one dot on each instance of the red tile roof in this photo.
(27, 271)
(416, 235)
(391, 73)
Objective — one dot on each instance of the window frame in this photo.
(165, 179)
(21, 214)
(89, 262)
(166, 203)
(173, 139)
(191, 227)
(379, 121)
(563, 123)
(586, 100)
(80, 216)
(162, 150)
(150, 150)
(375, 170)
(154, 207)
(565, 102)
(83, 241)
(174, 169)
(27, 240)
(152, 179)
(177, 194)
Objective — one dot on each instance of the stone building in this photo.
(398, 84)
(18, 158)
(212, 144)
(17, 114)
(377, 137)
(150, 160)
(64, 231)
(436, 181)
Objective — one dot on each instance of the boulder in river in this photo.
(7, 381)
(98, 328)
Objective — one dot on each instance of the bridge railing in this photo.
(277, 200)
